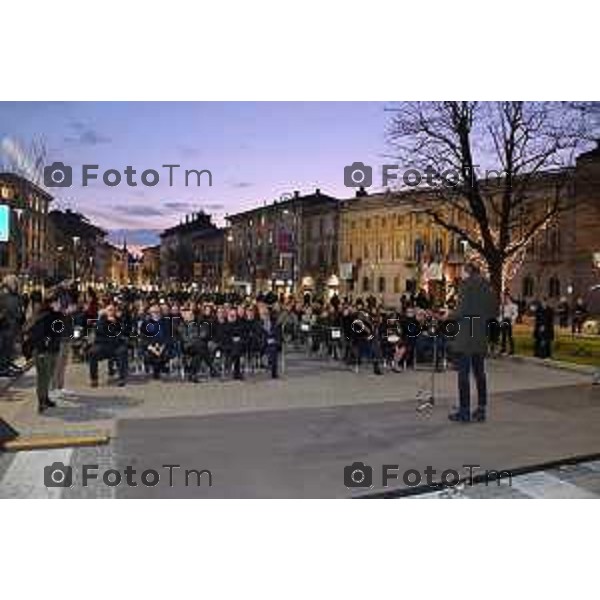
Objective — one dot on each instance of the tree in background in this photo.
(516, 144)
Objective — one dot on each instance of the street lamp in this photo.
(75, 239)
(19, 244)
(91, 269)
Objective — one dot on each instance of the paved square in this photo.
(294, 436)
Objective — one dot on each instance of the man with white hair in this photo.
(11, 320)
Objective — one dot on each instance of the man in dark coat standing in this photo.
(477, 306)
(11, 320)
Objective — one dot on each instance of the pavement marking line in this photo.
(545, 485)
(39, 442)
(24, 478)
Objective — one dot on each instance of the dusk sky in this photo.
(255, 151)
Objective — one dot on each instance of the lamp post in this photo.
(75, 239)
(58, 259)
(91, 268)
(19, 243)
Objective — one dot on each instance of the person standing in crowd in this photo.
(42, 343)
(579, 315)
(233, 342)
(421, 300)
(11, 321)
(379, 333)
(476, 307)
(67, 307)
(509, 311)
(543, 330)
(335, 301)
(562, 310)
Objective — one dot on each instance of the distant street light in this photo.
(75, 239)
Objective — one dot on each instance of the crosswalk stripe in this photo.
(545, 485)
(593, 466)
(24, 478)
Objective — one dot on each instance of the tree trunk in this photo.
(495, 267)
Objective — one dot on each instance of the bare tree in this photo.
(520, 146)
(27, 160)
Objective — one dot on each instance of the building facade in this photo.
(192, 252)
(389, 247)
(285, 246)
(151, 265)
(563, 259)
(76, 247)
(25, 252)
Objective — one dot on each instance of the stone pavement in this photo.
(293, 437)
(307, 383)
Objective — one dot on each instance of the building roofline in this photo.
(295, 199)
(28, 183)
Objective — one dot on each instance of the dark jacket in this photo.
(543, 328)
(270, 332)
(40, 336)
(477, 306)
(233, 336)
(11, 311)
(111, 333)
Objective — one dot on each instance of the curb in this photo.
(49, 442)
(555, 364)
(406, 492)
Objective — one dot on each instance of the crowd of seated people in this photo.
(156, 334)
(208, 336)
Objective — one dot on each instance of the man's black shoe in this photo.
(121, 383)
(459, 417)
(44, 404)
(478, 415)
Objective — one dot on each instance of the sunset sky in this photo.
(255, 151)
